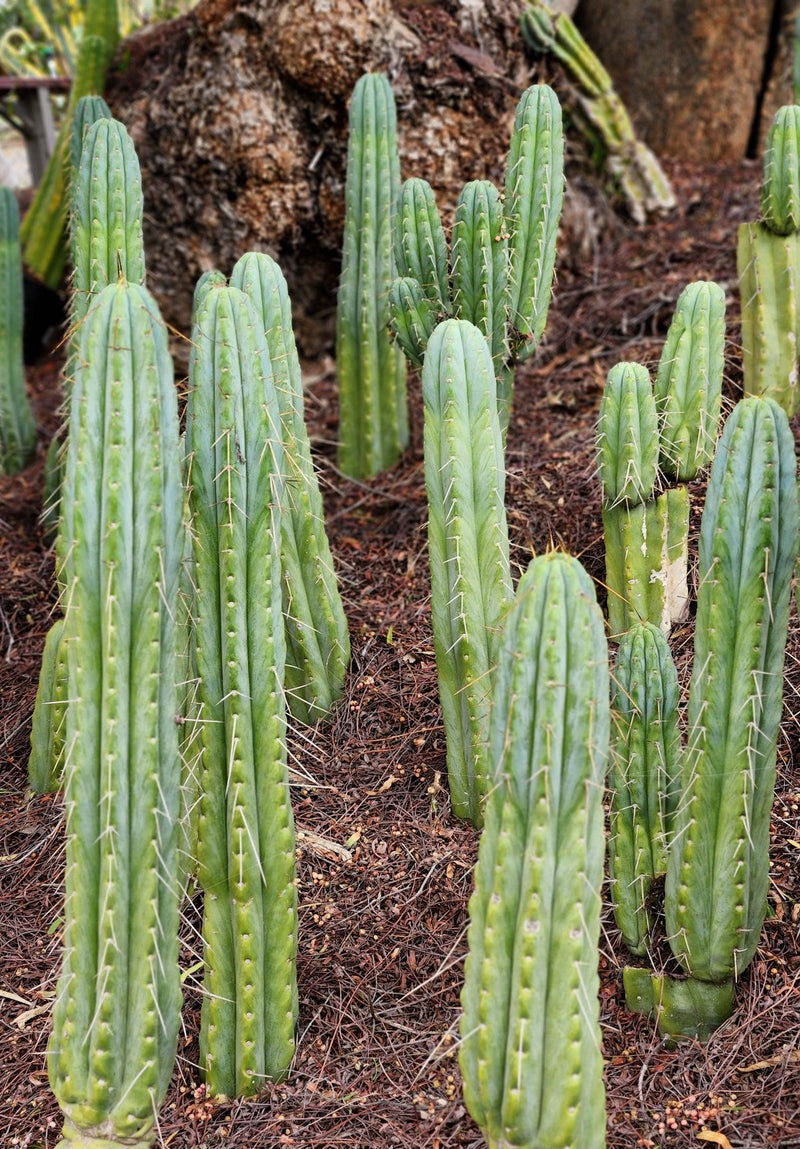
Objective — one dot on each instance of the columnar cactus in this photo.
(644, 767)
(115, 1019)
(88, 110)
(768, 262)
(718, 868)
(480, 265)
(317, 639)
(245, 831)
(420, 244)
(373, 416)
(630, 162)
(530, 1053)
(49, 715)
(17, 426)
(468, 547)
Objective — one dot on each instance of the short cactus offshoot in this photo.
(530, 1053)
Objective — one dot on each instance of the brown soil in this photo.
(382, 932)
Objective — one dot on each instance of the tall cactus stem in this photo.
(480, 267)
(420, 245)
(468, 547)
(531, 985)
(780, 190)
(769, 283)
(17, 425)
(373, 415)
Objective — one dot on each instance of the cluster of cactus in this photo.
(44, 230)
(636, 171)
(768, 262)
(17, 426)
(468, 548)
(530, 1053)
(115, 1019)
(373, 414)
(702, 814)
(643, 431)
(503, 250)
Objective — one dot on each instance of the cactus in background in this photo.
(480, 266)
(49, 716)
(688, 388)
(373, 416)
(420, 245)
(768, 263)
(317, 639)
(88, 110)
(245, 830)
(17, 426)
(718, 868)
(468, 547)
(530, 1053)
(115, 1019)
(44, 246)
(643, 776)
(638, 174)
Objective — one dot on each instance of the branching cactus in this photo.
(530, 1054)
(718, 867)
(115, 1019)
(643, 775)
(49, 715)
(630, 162)
(768, 262)
(468, 547)
(317, 639)
(17, 426)
(245, 830)
(373, 415)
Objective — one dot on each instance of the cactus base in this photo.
(74, 1138)
(683, 1008)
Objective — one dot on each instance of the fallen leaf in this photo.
(786, 1058)
(717, 1138)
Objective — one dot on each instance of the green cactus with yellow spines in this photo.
(530, 1038)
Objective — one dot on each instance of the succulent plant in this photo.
(480, 265)
(116, 1014)
(88, 110)
(530, 1037)
(317, 638)
(420, 244)
(49, 715)
(245, 830)
(468, 547)
(17, 425)
(373, 416)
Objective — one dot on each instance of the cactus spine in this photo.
(245, 829)
(17, 426)
(373, 417)
(115, 1020)
(468, 547)
(317, 639)
(644, 766)
(631, 164)
(768, 263)
(49, 715)
(718, 868)
(530, 1054)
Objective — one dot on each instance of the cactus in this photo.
(530, 1054)
(88, 110)
(412, 319)
(317, 639)
(768, 263)
(688, 387)
(718, 868)
(480, 266)
(468, 547)
(49, 715)
(644, 765)
(420, 245)
(632, 165)
(207, 280)
(373, 416)
(115, 1019)
(245, 831)
(17, 426)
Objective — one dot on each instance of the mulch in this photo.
(383, 894)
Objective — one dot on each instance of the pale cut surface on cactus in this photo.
(780, 191)
(373, 415)
(245, 830)
(468, 547)
(769, 280)
(643, 775)
(115, 1019)
(420, 244)
(530, 1054)
(49, 716)
(317, 639)
(688, 387)
(17, 426)
(717, 880)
